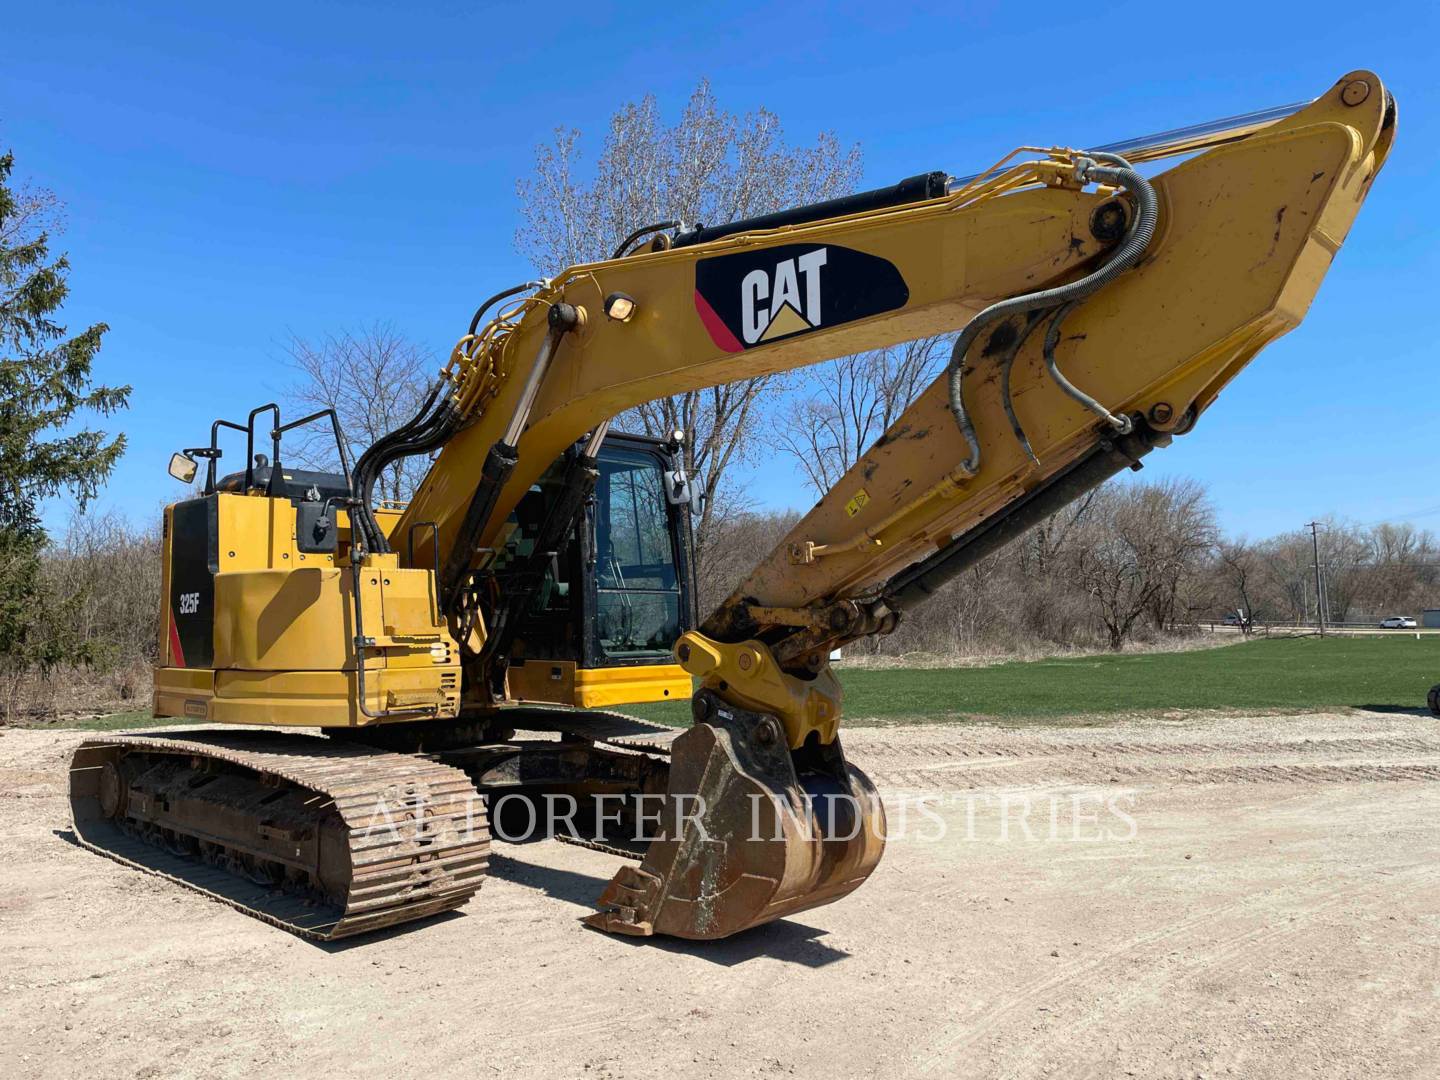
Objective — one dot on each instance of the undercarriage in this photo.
(331, 837)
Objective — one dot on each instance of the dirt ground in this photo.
(1250, 897)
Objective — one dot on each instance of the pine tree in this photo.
(45, 383)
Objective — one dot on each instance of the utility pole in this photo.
(1319, 592)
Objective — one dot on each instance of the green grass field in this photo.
(1293, 674)
(122, 720)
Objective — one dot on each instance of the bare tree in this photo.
(36, 211)
(712, 166)
(1404, 569)
(1344, 559)
(1287, 575)
(102, 578)
(1142, 544)
(111, 569)
(1239, 564)
(841, 407)
(741, 538)
(374, 379)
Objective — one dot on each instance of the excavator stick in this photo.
(749, 832)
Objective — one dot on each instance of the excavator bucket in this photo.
(750, 832)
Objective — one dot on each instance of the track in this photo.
(323, 839)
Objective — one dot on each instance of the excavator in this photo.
(378, 685)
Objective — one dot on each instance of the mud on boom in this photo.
(540, 577)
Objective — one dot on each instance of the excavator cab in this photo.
(600, 626)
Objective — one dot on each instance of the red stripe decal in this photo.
(177, 654)
(719, 332)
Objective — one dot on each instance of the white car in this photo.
(1398, 622)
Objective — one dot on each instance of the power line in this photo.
(1392, 518)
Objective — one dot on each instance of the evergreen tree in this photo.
(45, 384)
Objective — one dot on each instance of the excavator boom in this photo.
(1244, 233)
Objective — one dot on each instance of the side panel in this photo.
(550, 681)
(286, 619)
(194, 561)
(259, 632)
(184, 692)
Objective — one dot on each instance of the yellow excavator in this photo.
(460, 659)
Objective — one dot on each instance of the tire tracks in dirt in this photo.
(1116, 967)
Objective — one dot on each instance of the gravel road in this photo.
(1253, 896)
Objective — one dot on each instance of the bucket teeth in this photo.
(630, 894)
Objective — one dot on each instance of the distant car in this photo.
(1233, 618)
(1398, 622)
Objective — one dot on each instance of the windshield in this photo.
(638, 589)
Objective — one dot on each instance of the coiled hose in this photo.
(1120, 173)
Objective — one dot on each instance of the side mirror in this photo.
(183, 468)
(677, 488)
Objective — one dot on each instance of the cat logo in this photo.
(786, 313)
(753, 298)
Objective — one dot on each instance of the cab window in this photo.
(637, 585)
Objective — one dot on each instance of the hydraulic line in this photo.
(488, 304)
(433, 424)
(1108, 457)
(1052, 338)
(525, 577)
(429, 422)
(1137, 238)
(500, 462)
(1007, 364)
(645, 230)
(429, 436)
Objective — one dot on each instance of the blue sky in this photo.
(233, 179)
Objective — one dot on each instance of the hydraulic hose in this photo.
(488, 304)
(426, 422)
(422, 440)
(1052, 338)
(644, 230)
(1007, 365)
(433, 423)
(1137, 238)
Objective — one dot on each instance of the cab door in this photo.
(637, 566)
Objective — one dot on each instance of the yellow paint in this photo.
(561, 682)
(1222, 278)
(603, 688)
(551, 681)
(747, 674)
(284, 650)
